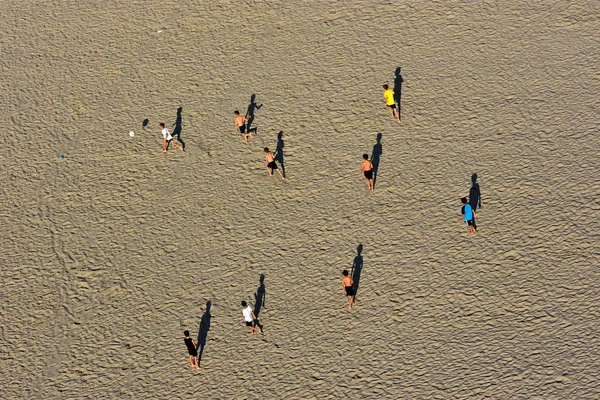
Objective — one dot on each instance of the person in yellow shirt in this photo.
(388, 95)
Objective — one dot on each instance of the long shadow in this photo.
(259, 299)
(398, 89)
(357, 266)
(203, 331)
(177, 130)
(376, 157)
(279, 152)
(474, 193)
(474, 197)
(252, 107)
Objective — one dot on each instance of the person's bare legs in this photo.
(164, 145)
(280, 174)
(472, 227)
(251, 330)
(395, 113)
(370, 185)
(351, 302)
(178, 146)
(194, 362)
(270, 171)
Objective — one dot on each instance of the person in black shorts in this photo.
(191, 346)
(271, 164)
(348, 287)
(250, 319)
(366, 172)
(240, 125)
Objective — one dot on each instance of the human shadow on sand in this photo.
(279, 152)
(177, 128)
(398, 89)
(474, 193)
(203, 331)
(252, 108)
(357, 265)
(376, 157)
(259, 300)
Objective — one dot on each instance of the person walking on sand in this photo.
(271, 164)
(366, 172)
(167, 138)
(390, 101)
(191, 346)
(348, 287)
(249, 318)
(240, 125)
(469, 215)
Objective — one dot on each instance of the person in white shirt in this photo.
(167, 138)
(250, 318)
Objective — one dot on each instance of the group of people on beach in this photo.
(250, 320)
(242, 126)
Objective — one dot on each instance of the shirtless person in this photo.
(348, 287)
(240, 125)
(167, 138)
(367, 172)
(390, 101)
(270, 163)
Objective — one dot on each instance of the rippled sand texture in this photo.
(110, 253)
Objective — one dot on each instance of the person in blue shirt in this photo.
(469, 215)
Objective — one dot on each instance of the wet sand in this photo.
(111, 252)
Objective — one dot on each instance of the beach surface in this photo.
(111, 249)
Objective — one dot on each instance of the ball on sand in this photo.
(131, 133)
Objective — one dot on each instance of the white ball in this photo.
(131, 133)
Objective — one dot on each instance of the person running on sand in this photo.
(249, 318)
(240, 125)
(367, 172)
(167, 138)
(191, 346)
(270, 163)
(348, 287)
(390, 101)
(469, 215)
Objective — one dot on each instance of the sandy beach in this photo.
(111, 249)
